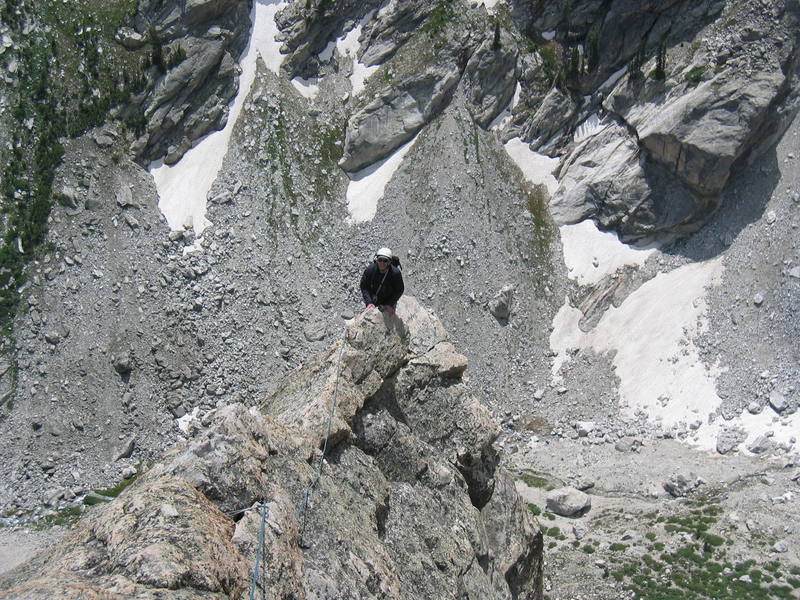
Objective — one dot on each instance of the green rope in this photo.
(259, 550)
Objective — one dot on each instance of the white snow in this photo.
(348, 45)
(536, 168)
(591, 254)
(505, 116)
(490, 4)
(184, 422)
(308, 88)
(589, 127)
(367, 185)
(549, 35)
(650, 338)
(183, 187)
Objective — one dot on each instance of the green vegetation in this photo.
(116, 490)
(659, 73)
(617, 547)
(439, 17)
(593, 49)
(535, 481)
(695, 76)
(73, 74)
(551, 64)
(553, 532)
(637, 62)
(695, 565)
(535, 510)
(176, 56)
(588, 549)
(66, 517)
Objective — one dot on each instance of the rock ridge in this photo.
(410, 502)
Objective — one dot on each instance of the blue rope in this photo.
(309, 489)
(259, 550)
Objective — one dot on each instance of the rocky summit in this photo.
(597, 200)
(406, 502)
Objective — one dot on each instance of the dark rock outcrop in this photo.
(187, 97)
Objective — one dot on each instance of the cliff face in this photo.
(409, 503)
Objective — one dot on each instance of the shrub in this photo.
(695, 76)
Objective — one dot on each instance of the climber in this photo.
(382, 282)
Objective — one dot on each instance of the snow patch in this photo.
(308, 88)
(367, 185)
(185, 421)
(504, 117)
(536, 168)
(591, 254)
(348, 45)
(587, 128)
(490, 4)
(549, 35)
(183, 187)
(650, 338)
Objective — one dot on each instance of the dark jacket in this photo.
(379, 290)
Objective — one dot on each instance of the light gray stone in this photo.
(778, 401)
(568, 502)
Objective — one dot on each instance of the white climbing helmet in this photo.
(384, 252)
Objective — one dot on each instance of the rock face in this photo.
(644, 152)
(188, 97)
(665, 146)
(410, 503)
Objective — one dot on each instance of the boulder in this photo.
(664, 162)
(500, 304)
(396, 115)
(306, 31)
(568, 502)
(392, 26)
(490, 77)
(410, 481)
(681, 485)
(778, 401)
(761, 444)
(189, 99)
(584, 428)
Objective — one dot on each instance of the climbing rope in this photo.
(308, 491)
(259, 550)
(332, 412)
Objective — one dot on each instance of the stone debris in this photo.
(681, 485)
(778, 401)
